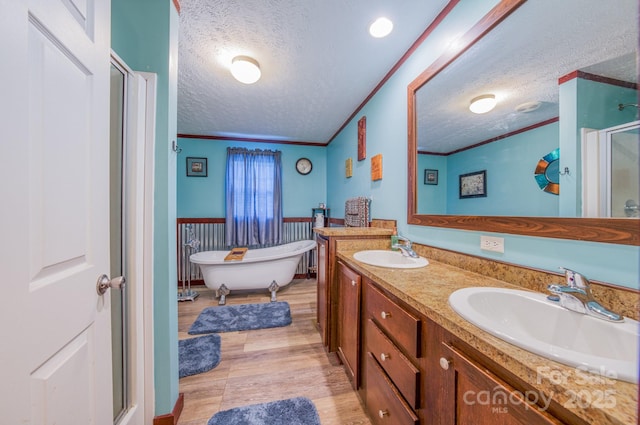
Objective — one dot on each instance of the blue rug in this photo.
(293, 411)
(229, 318)
(198, 355)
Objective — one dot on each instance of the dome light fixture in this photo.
(526, 107)
(245, 69)
(482, 104)
(381, 27)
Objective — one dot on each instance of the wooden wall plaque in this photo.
(348, 168)
(376, 167)
(362, 138)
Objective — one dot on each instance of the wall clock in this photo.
(304, 166)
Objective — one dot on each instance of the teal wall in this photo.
(432, 199)
(387, 134)
(144, 34)
(204, 196)
(386, 116)
(511, 188)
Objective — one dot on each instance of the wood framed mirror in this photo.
(608, 230)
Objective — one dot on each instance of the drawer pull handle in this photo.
(385, 315)
(353, 283)
(383, 413)
(444, 363)
(384, 356)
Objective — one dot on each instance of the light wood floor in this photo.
(269, 364)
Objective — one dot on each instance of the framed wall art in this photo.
(196, 167)
(473, 185)
(430, 176)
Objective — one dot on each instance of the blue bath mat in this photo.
(198, 355)
(293, 411)
(229, 318)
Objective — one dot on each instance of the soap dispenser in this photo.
(394, 239)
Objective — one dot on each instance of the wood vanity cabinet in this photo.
(416, 372)
(349, 289)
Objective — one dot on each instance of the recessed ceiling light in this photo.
(482, 104)
(382, 27)
(245, 69)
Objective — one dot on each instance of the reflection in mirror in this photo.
(523, 74)
(551, 76)
(611, 187)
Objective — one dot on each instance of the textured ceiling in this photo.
(521, 61)
(318, 63)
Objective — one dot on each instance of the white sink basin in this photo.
(391, 259)
(530, 321)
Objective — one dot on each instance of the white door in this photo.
(54, 190)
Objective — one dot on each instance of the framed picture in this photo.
(196, 167)
(430, 176)
(473, 185)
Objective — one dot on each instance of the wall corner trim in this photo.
(171, 418)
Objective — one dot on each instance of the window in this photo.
(253, 197)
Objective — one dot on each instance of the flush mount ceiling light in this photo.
(245, 69)
(482, 104)
(527, 107)
(382, 27)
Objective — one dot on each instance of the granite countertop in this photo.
(427, 289)
(352, 231)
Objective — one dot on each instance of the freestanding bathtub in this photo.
(270, 268)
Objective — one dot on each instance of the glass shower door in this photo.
(622, 194)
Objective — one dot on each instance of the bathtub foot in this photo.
(222, 293)
(273, 288)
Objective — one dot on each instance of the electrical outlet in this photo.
(490, 243)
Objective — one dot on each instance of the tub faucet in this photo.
(404, 245)
(576, 296)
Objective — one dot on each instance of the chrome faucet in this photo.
(404, 245)
(576, 296)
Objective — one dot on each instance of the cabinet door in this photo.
(480, 397)
(323, 288)
(349, 288)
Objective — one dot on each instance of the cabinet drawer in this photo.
(402, 372)
(384, 404)
(401, 325)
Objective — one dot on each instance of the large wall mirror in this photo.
(560, 73)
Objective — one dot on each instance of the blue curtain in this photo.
(253, 197)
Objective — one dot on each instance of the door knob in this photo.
(105, 283)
